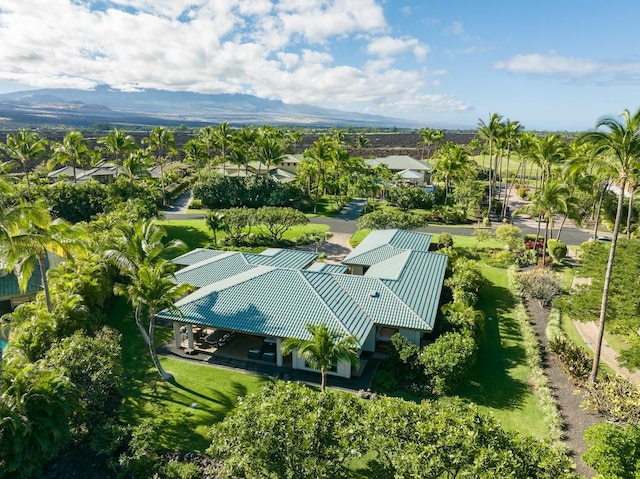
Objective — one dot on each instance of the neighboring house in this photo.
(10, 294)
(407, 169)
(290, 162)
(65, 174)
(104, 173)
(275, 294)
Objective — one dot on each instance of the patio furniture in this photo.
(269, 357)
(254, 353)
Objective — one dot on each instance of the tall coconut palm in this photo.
(161, 144)
(490, 132)
(152, 288)
(73, 150)
(222, 138)
(616, 144)
(512, 134)
(142, 244)
(195, 154)
(135, 166)
(24, 146)
(314, 165)
(546, 203)
(324, 350)
(117, 144)
(30, 242)
(429, 137)
(206, 136)
(451, 163)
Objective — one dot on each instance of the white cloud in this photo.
(389, 46)
(549, 64)
(281, 50)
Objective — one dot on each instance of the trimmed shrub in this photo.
(541, 285)
(557, 249)
(575, 360)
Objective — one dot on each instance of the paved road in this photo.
(347, 220)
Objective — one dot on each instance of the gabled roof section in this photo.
(381, 245)
(9, 285)
(399, 163)
(327, 268)
(419, 284)
(66, 171)
(213, 269)
(411, 175)
(218, 265)
(196, 255)
(282, 302)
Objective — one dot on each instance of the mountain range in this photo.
(85, 108)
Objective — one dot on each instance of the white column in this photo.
(177, 337)
(190, 335)
(278, 352)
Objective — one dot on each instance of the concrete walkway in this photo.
(589, 332)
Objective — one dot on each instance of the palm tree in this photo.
(161, 144)
(512, 133)
(324, 350)
(546, 203)
(142, 244)
(118, 144)
(152, 288)
(222, 140)
(361, 141)
(616, 144)
(73, 151)
(195, 154)
(429, 137)
(31, 239)
(23, 147)
(490, 132)
(314, 164)
(451, 163)
(206, 136)
(134, 166)
(215, 222)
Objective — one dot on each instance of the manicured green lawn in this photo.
(200, 395)
(196, 234)
(499, 382)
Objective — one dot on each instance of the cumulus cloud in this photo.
(282, 50)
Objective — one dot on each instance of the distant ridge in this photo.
(83, 108)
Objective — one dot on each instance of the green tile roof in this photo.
(272, 302)
(328, 268)
(270, 294)
(381, 245)
(9, 285)
(195, 256)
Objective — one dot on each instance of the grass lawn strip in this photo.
(500, 381)
(200, 396)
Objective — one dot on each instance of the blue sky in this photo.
(557, 65)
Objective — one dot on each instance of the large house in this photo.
(389, 284)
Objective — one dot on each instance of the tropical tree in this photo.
(195, 154)
(23, 147)
(313, 167)
(451, 164)
(150, 289)
(142, 244)
(161, 144)
(206, 137)
(490, 132)
(324, 350)
(134, 166)
(616, 144)
(117, 144)
(222, 137)
(429, 137)
(73, 150)
(512, 134)
(216, 222)
(29, 241)
(547, 202)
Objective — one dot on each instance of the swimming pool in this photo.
(3, 344)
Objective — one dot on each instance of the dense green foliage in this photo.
(303, 434)
(216, 192)
(384, 219)
(409, 198)
(623, 313)
(541, 285)
(613, 450)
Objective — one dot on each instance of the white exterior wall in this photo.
(370, 342)
(343, 370)
(412, 335)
